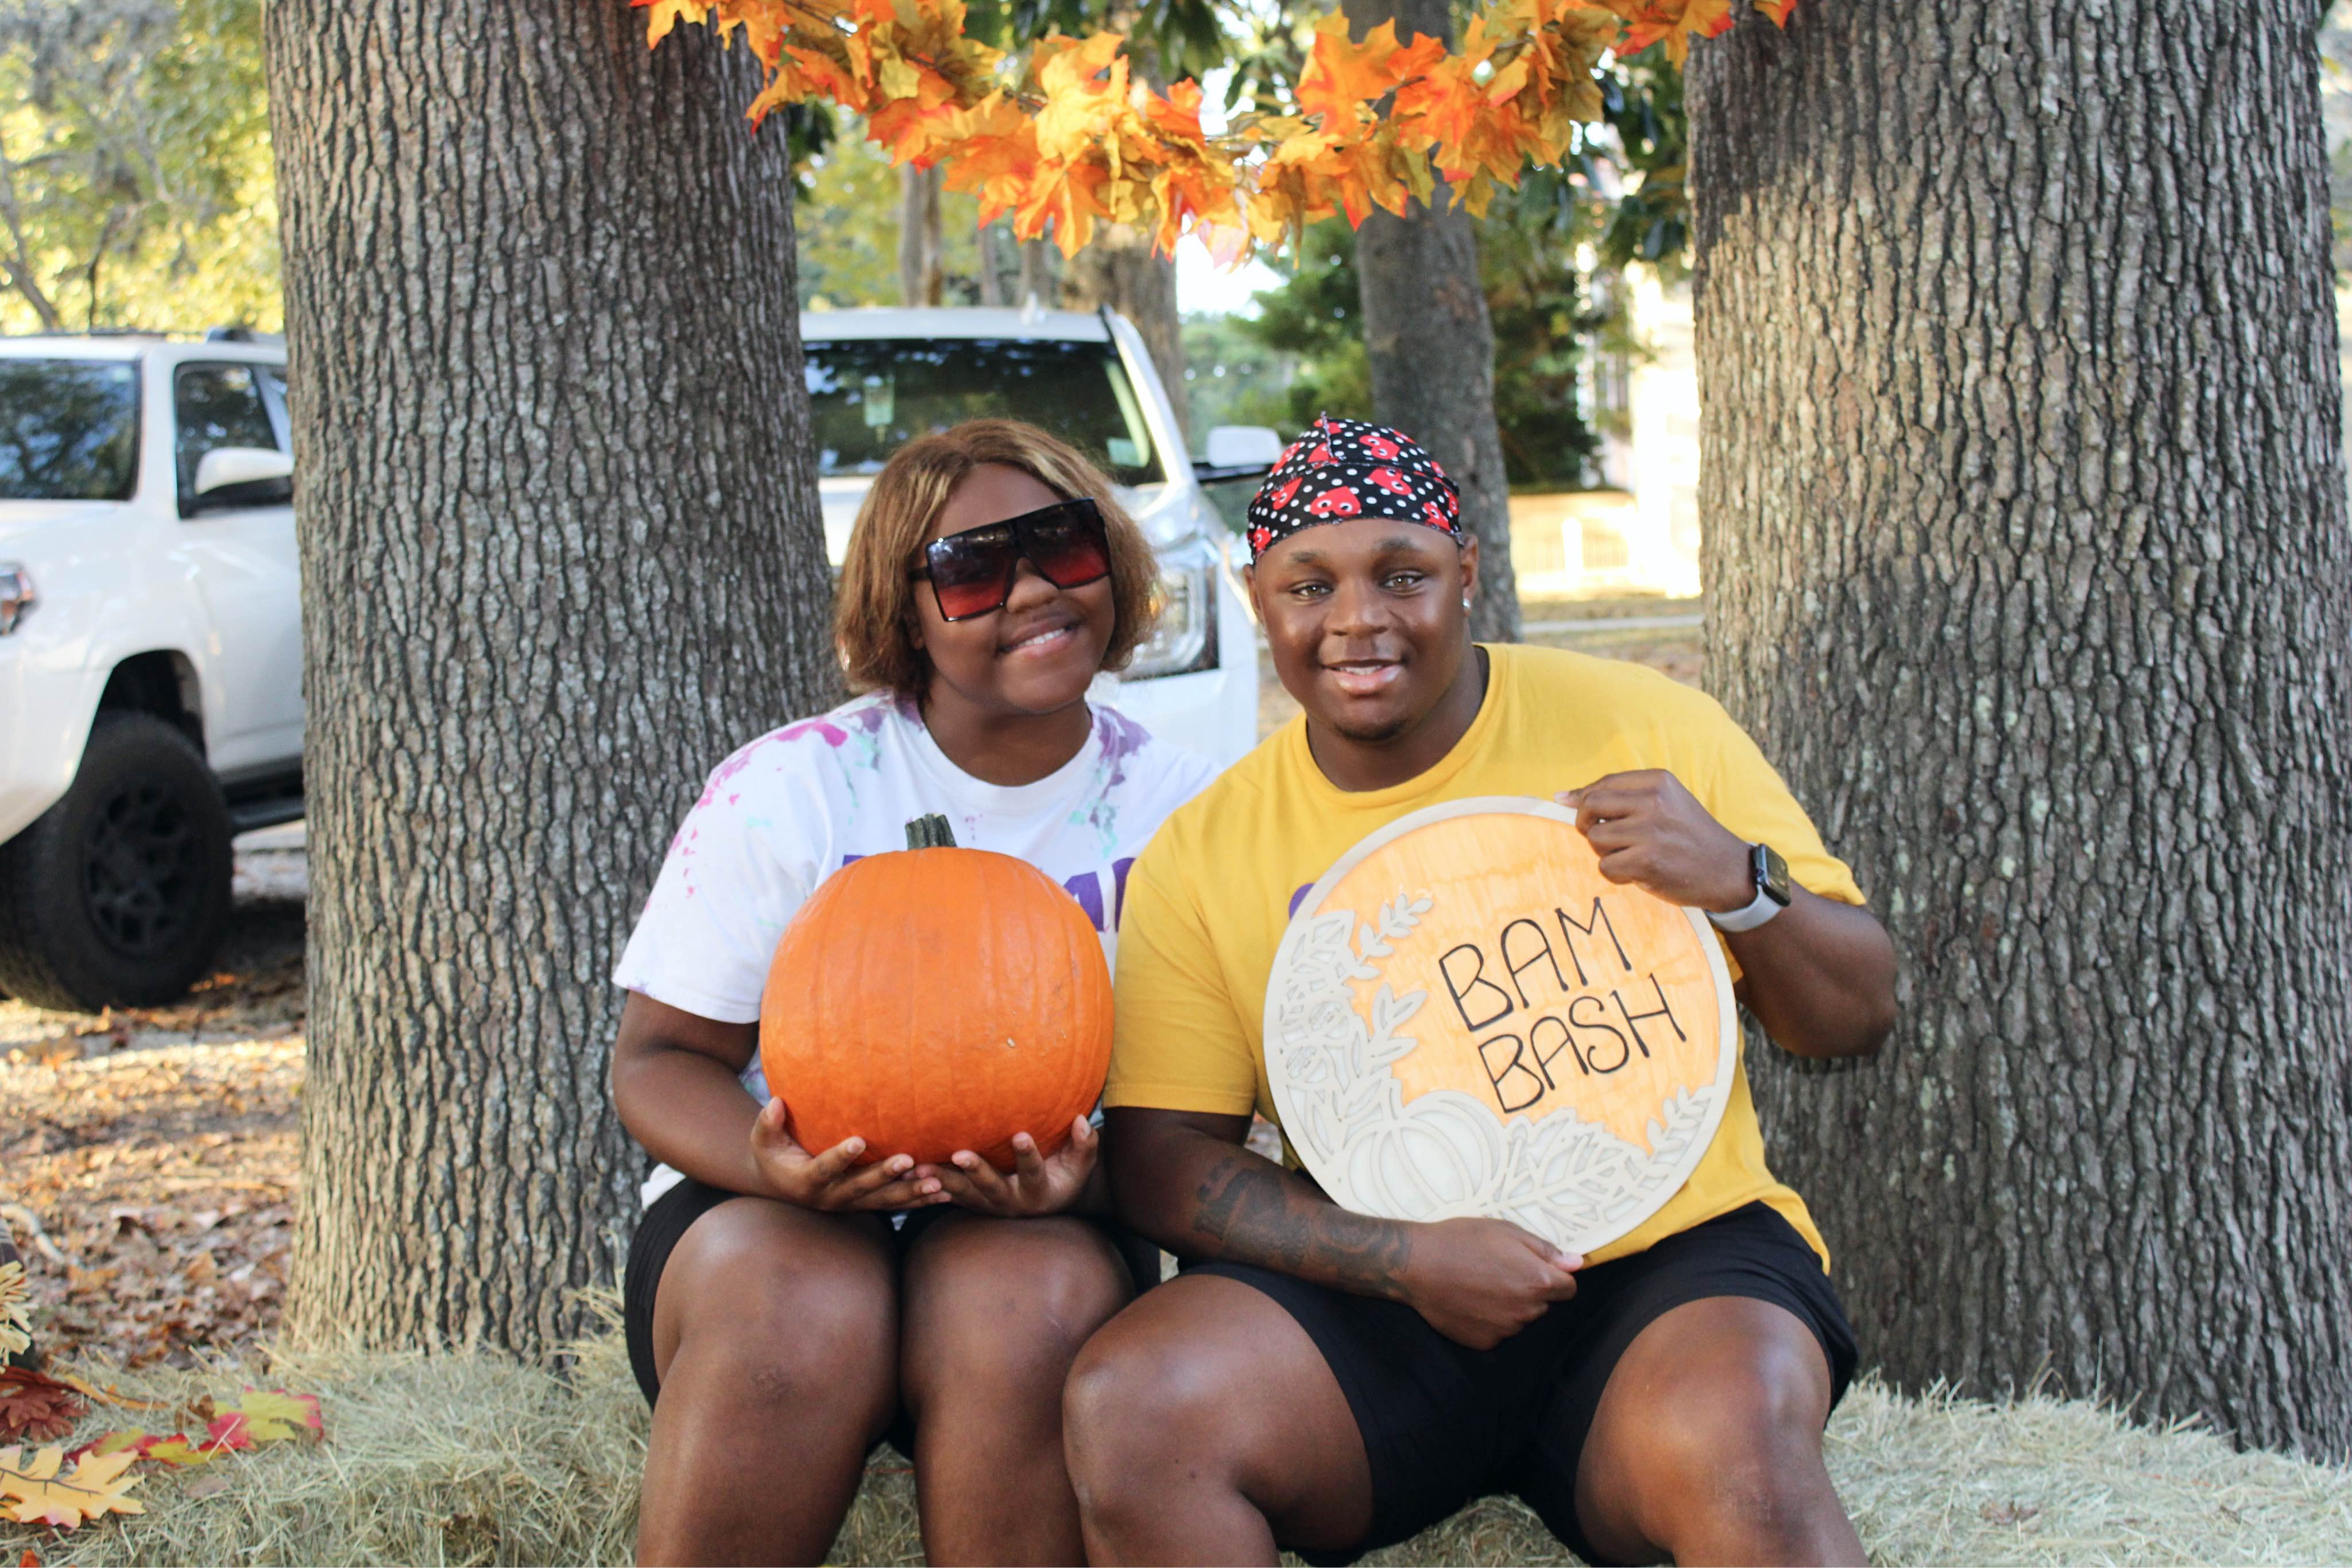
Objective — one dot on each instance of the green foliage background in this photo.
(135, 184)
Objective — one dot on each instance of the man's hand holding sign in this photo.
(1474, 1022)
(1818, 976)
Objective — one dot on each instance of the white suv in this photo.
(151, 634)
(151, 653)
(878, 378)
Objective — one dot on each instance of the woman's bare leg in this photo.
(995, 1311)
(776, 1339)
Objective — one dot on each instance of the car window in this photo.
(273, 397)
(69, 430)
(215, 406)
(868, 397)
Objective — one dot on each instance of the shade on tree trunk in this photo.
(1118, 268)
(922, 274)
(1431, 347)
(561, 553)
(2027, 544)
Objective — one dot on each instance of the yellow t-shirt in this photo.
(1209, 898)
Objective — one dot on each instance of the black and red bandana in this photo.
(1343, 468)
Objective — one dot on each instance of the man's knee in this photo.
(1740, 1448)
(1133, 1405)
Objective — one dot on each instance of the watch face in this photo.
(1772, 874)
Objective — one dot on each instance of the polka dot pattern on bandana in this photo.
(1343, 468)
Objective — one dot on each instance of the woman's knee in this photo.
(791, 1309)
(996, 1310)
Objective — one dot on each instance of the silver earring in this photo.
(1465, 601)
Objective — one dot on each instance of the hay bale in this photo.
(467, 1457)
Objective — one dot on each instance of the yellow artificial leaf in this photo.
(33, 1492)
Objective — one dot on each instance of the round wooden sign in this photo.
(1466, 1017)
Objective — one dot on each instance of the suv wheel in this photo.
(119, 895)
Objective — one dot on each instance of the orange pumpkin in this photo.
(935, 999)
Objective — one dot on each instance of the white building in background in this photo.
(1638, 534)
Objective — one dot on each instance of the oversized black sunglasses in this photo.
(972, 572)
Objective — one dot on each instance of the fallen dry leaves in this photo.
(152, 1194)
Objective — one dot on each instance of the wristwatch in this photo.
(1769, 874)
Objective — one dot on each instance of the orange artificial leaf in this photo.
(33, 1492)
(664, 14)
(1675, 21)
(108, 1395)
(37, 1406)
(31, 1559)
(1777, 9)
(1073, 139)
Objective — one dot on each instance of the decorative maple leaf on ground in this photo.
(172, 1448)
(33, 1492)
(262, 1415)
(37, 1406)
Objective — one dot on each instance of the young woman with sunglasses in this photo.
(786, 1309)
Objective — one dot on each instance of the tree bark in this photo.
(992, 275)
(561, 552)
(1432, 346)
(2029, 561)
(922, 280)
(1119, 268)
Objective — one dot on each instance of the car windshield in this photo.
(869, 397)
(69, 430)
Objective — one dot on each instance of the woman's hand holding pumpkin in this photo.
(1037, 1185)
(832, 1182)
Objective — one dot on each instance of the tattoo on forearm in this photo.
(1247, 1210)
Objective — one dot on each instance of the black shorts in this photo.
(668, 1216)
(1443, 1424)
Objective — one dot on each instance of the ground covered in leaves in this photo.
(149, 1154)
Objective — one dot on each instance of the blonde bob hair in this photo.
(871, 612)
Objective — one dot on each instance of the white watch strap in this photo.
(1764, 907)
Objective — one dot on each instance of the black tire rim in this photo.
(141, 873)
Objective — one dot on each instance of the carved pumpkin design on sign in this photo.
(1464, 1017)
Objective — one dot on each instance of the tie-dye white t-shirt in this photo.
(801, 802)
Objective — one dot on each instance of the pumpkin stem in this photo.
(930, 832)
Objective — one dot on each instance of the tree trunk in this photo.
(1038, 280)
(991, 276)
(1432, 346)
(561, 552)
(1119, 268)
(2027, 544)
(922, 280)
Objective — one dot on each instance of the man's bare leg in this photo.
(1708, 1444)
(1202, 1424)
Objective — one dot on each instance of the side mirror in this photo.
(1238, 451)
(240, 476)
(225, 466)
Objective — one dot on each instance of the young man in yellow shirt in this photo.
(1330, 1383)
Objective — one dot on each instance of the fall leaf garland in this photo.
(1074, 141)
